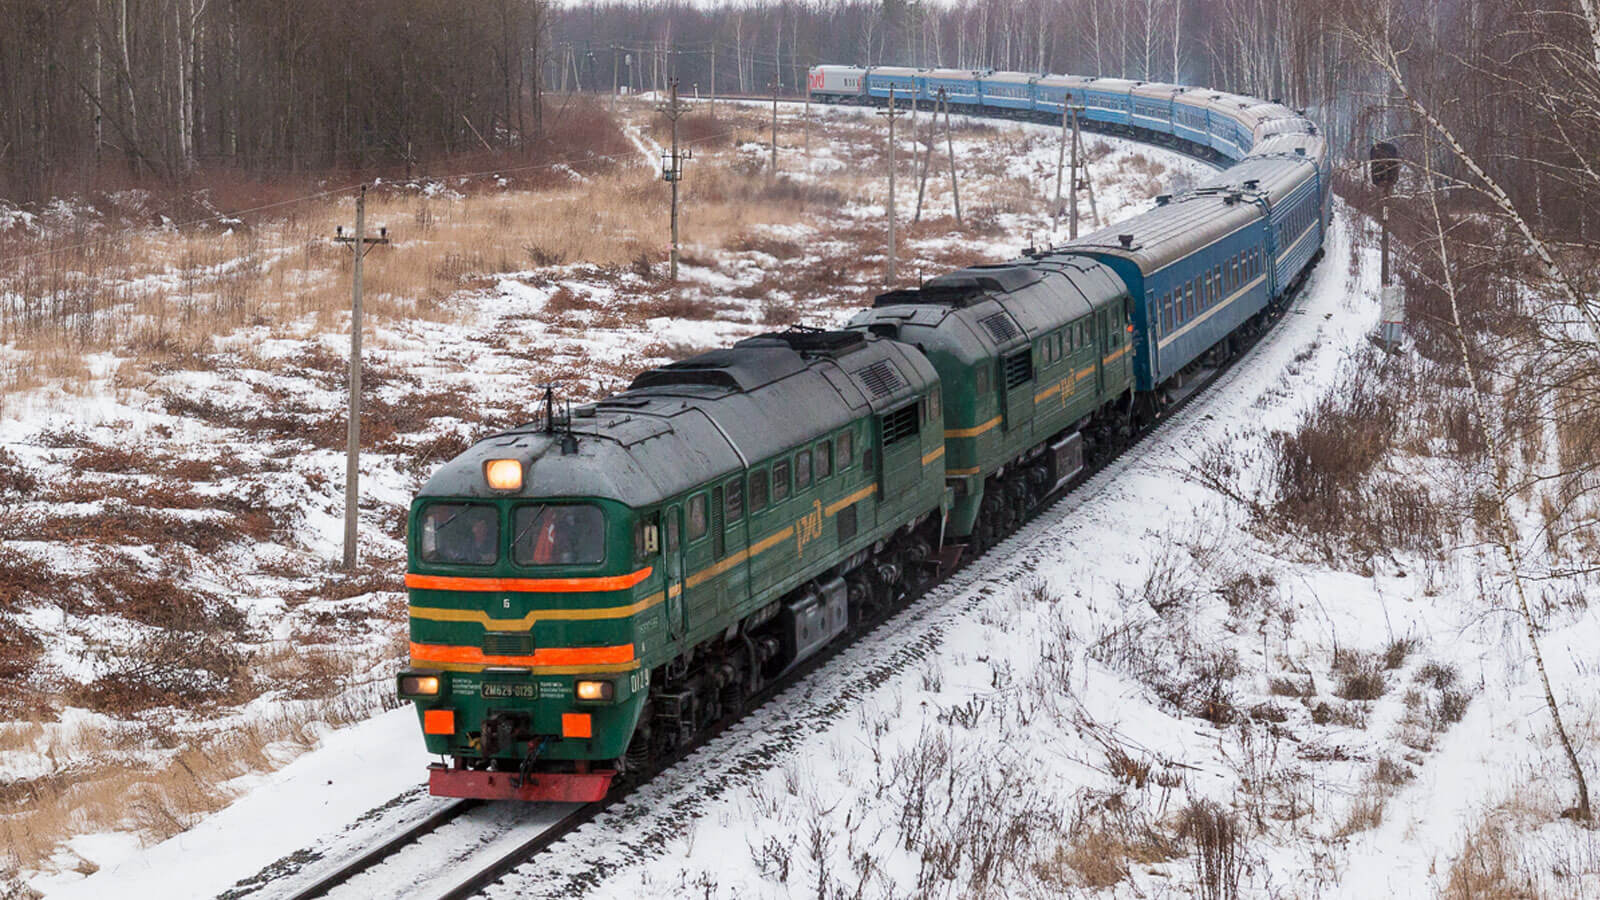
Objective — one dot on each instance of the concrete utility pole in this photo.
(614, 60)
(950, 145)
(773, 173)
(360, 245)
(713, 79)
(890, 115)
(672, 168)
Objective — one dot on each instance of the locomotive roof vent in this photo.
(1163, 199)
(1252, 183)
(1126, 239)
(1299, 151)
(808, 340)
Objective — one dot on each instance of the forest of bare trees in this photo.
(96, 92)
(164, 88)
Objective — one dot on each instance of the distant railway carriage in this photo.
(1151, 106)
(834, 83)
(1008, 91)
(960, 86)
(588, 593)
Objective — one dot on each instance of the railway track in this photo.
(482, 843)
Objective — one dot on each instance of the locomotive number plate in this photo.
(499, 689)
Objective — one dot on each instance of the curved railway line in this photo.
(742, 743)
(466, 848)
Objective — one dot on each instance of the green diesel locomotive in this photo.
(588, 592)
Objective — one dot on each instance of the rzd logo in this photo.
(808, 528)
(814, 81)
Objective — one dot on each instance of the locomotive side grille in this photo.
(1000, 327)
(900, 424)
(881, 378)
(1019, 369)
(507, 643)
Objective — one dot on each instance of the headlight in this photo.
(419, 685)
(503, 474)
(596, 690)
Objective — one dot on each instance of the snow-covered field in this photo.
(1056, 727)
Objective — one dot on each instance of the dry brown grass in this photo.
(162, 797)
(1488, 868)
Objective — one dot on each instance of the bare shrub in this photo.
(14, 477)
(1365, 814)
(1361, 677)
(1393, 774)
(544, 257)
(1394, 655)
(1216, 844)
(1436, 674)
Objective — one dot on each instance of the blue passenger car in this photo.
(1200, 265)
(960, 86)
(907, 82)
(1008, 90)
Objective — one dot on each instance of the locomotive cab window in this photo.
(734, 503)
(802, 470)
(824, 460)
(459, 533)
(553, 535)
(843, 451)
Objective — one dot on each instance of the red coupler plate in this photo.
(541, 787)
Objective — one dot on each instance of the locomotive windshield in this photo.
(570, 534)
(460, 533)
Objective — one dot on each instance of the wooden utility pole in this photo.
(1061, 152)
(927, 155)
(360, 245)
(672, 168)
(890, 115)
(773, 173)
(1077, 146)
(1088, 183)
(806, 118)
(950, 145)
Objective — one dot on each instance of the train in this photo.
(591, 591)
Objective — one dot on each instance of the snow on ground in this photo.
(1161, 652)
(212, 479)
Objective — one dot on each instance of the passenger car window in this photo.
(566, 534)
(780, 481)
(459, 533)
(697, 517)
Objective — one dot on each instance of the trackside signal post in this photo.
(360, 246)
(1384, 169)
